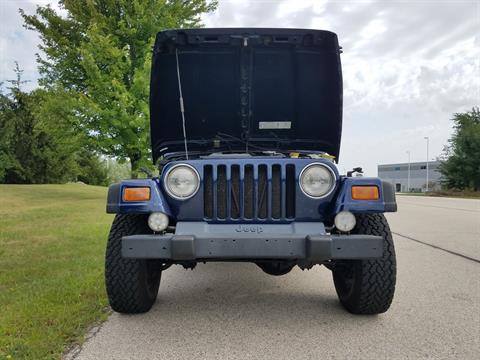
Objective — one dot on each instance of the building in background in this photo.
(397, 174)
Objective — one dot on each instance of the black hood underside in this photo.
(260, 89)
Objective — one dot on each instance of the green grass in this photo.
(52, 244)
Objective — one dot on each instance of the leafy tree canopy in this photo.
(33, 149)
(41, 140)
(99, 52)
(461, 167)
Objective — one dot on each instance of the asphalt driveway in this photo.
(235, 311)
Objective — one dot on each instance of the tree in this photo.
(461, 165)
(7, 160)
(100, 52)
(92, 169)
(28, 151)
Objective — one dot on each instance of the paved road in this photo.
(234, 311)
(453, 224)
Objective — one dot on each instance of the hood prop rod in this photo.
(182, 108)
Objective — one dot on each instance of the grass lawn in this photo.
(52, 244)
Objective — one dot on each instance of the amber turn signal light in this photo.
(365, 193)
(136, 194)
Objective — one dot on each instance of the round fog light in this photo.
(158, 221)
(345, 221)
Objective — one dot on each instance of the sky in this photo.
(408, 65)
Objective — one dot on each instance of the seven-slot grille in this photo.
(245, 192)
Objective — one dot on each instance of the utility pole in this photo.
(426, 185)
(408, 176)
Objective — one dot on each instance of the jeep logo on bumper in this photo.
(249, 229)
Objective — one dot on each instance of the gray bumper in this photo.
(295, 241)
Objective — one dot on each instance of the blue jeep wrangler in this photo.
(245, 129)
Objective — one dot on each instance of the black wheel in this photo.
(276, 268)
(132, 284)
(367, 286)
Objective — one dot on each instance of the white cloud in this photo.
(16, 43)
(408, 65)
(374, 28)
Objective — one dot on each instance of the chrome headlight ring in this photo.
(332, 180)
(167, 184)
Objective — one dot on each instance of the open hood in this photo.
(263, 89)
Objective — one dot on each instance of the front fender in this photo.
(157, 202)
(385, 203)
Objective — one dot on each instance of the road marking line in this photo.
(438, 247)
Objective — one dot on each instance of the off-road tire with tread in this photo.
(367, 286)
(132, 284)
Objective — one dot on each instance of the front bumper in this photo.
(229, 242)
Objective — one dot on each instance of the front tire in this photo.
(132, 284)
(368, 286)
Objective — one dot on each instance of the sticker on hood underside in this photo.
(274, 125)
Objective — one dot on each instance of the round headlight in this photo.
(182, 181)
(317, 180)
(345, 221)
